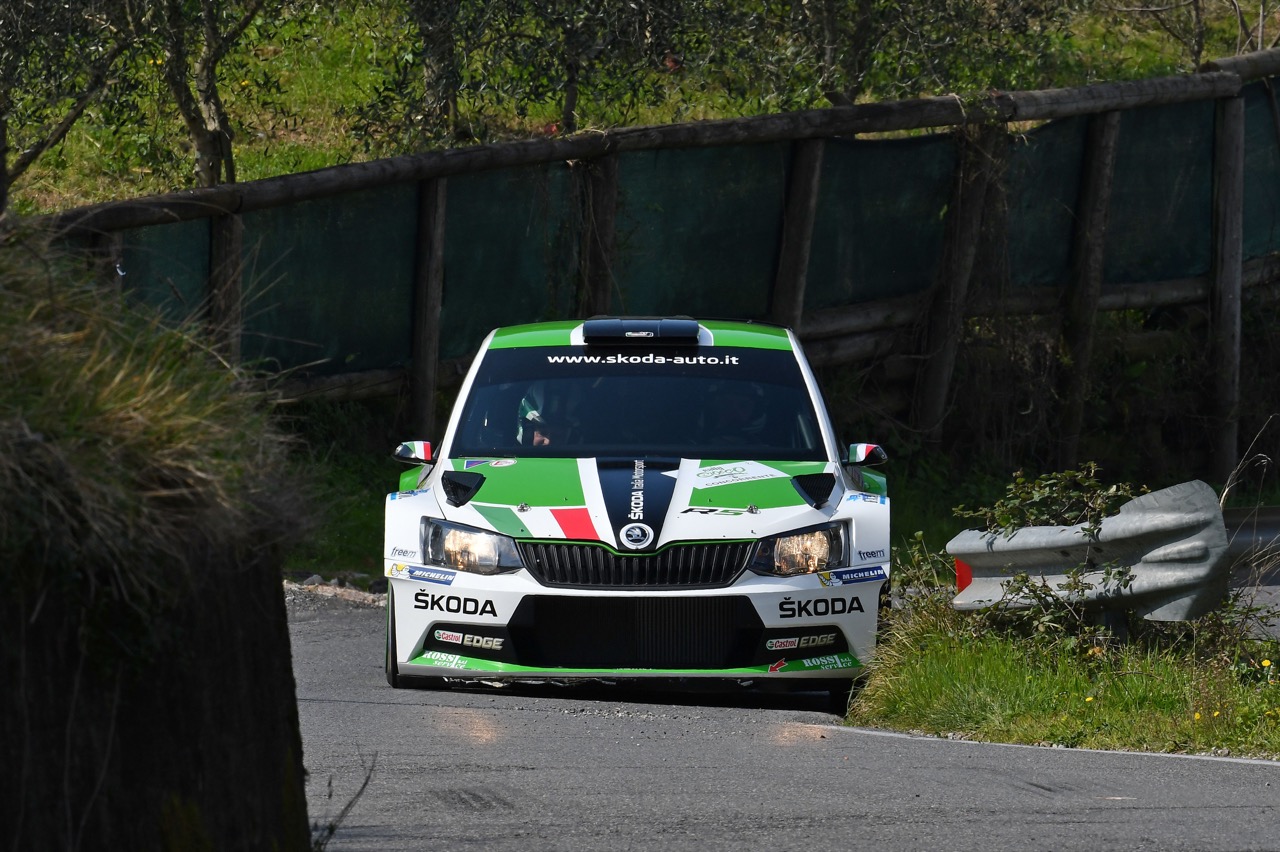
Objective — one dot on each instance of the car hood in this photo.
(639, 505)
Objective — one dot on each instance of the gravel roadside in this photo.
(302, 598)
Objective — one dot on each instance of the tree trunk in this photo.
(568, 117)
(207, 149)
(436, 21)
(217, 123)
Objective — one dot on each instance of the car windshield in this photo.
(721, 403)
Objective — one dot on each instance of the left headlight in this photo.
(804, 552)
(467, 549)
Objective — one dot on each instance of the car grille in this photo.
(677, 567)
(635, 633)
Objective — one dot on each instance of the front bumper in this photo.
(510, 627)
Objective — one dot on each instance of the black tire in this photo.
(840, 695)
(394, 678)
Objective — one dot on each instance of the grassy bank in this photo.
(1190, 689)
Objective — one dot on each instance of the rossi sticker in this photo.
(439, 658)
(830, 661)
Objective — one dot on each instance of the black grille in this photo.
(680, 566)
(635, 633)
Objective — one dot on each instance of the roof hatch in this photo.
(621, 330)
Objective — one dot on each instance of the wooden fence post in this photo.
(428, 297)
(599, 238)
(226, 283)
(944, 323)
(107, 256)
(787, 302)
(1228, 254)
(1084, 287)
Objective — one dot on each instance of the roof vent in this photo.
(623, 330)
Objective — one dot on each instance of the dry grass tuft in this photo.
(118, 436)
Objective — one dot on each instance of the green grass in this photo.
(943, 673)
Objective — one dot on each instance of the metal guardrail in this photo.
(1173, 543)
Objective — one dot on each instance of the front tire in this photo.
(394, 678)
(840, 696)
(842, 691)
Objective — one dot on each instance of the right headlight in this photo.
(803, 552)
(467, 549)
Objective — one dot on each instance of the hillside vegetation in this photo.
(114, 103)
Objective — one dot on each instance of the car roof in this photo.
(745, 334)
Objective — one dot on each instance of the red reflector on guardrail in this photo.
(964, 575)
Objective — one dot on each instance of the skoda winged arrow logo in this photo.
(636, 536)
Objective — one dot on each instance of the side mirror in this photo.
(413, 452)
(867, 454)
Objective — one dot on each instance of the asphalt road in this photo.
(608, 768)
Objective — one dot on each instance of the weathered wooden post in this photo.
(1228, 253)
(1082, 290)
(226, 283)
(599, 238)
(801, 211)
(944, 324)
(428, 297)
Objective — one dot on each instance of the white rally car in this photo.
(636, 498)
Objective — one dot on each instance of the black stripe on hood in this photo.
(637, 494)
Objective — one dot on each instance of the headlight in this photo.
(467, 549)
(801, 553)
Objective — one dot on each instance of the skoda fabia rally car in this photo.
(636, 498)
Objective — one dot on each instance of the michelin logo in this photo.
(425, 575)
(432, 575)
(852, 575)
